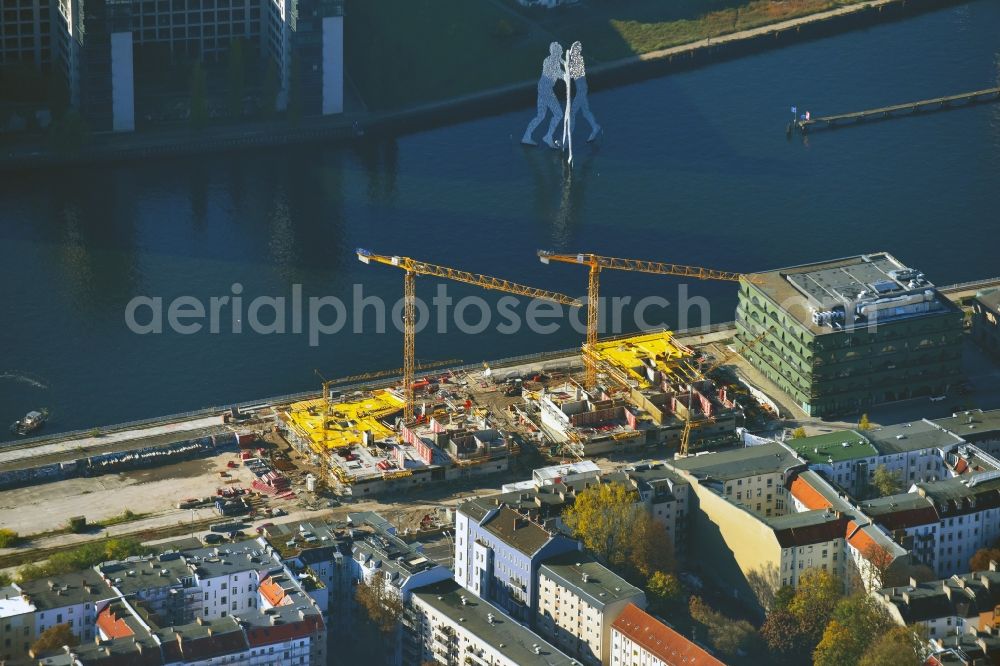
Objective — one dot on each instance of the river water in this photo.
(692, 168)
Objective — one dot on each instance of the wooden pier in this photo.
(935, 104)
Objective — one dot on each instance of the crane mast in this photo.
(596, 263)
(411, 268)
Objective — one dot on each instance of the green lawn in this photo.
(612, 30)
(404, 52)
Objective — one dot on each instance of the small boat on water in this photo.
(31, 422)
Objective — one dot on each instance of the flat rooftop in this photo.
(68, 589)
(912, 436)
(952, 494)
(300, 538)
(800, 290)
(739, 463)
(503, 634)
(588, 579)
(12, 603)
(973, 425)
(137, 574)
(838, 446)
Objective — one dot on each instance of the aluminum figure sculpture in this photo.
(569, 69)
(552, 71)
(576, 70)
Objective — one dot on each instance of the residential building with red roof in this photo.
(639, 639)
(818, 527)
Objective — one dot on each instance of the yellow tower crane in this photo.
(597, 263)
(691, 423)
(412, 268)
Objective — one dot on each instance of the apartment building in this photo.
(72, 599)
(455, 628)
(752, 477)
(662, 492)
(955, 605)
(578, 599)
(498, 552)
(226, 604)
(639, 639)
(820, 528)
(17, 623)
(317, 551)
(913, 451)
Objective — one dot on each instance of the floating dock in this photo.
(909, 108)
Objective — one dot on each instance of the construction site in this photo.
(433, 425)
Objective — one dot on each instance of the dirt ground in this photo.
(155, 491)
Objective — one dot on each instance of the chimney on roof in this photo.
(913, 581)
(985, 580)
(993, 565)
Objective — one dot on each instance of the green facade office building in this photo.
(840, 336)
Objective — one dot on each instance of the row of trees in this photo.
(609, 521)
(813, 623)
(82, 557)
(817, 620)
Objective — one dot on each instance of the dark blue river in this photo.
(693, 168)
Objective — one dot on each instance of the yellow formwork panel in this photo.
(629, 355)
(345, 422)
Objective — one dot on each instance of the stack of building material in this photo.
(272, 483)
